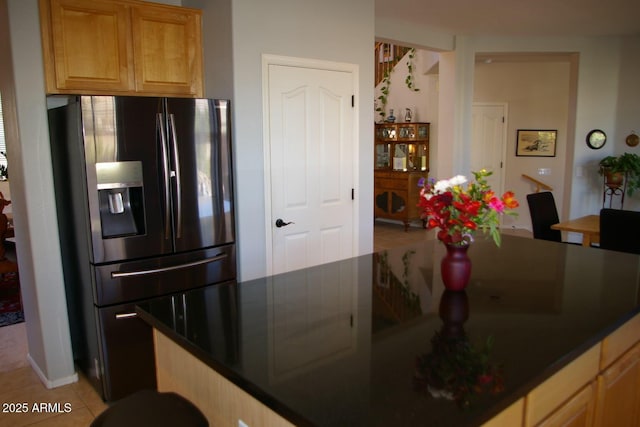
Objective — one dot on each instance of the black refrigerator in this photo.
(145, 206)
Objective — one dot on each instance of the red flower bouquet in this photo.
(458, 212)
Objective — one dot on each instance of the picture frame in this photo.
(536, 142)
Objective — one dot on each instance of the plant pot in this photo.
(613, 179)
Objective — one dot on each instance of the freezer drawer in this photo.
(126, 347)
(136, 280)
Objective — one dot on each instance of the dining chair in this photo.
(542, 207)
(620, 230)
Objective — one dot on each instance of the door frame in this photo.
(353, 69)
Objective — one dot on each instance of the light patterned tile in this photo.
(12, 335)
(13, 347)
(17, 379)
(76, 418)
(89, 395)
(30, 399)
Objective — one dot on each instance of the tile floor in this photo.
(68, 406)
(19, 383)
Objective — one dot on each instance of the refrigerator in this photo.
(144, 199)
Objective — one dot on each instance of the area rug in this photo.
(10, 300)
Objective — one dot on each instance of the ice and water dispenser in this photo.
(120, 196)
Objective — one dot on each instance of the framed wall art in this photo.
(536, 143)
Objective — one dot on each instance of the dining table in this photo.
(588, 226)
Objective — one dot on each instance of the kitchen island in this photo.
(338, 344)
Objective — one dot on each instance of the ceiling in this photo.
(517, 17)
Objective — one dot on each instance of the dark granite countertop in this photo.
(337, 344)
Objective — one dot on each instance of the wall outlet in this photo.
(242, 424)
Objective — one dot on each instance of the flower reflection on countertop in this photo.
(455, 369)
(458, 212)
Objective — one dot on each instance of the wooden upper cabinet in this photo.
(121, 47)
(167, 46)
(87, 46)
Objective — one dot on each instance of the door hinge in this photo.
(353, 101)
(353, 194)
(502, 119)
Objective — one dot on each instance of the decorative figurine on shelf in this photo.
(407, 115)
(391, 118)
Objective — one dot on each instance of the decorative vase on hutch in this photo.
(456, 267)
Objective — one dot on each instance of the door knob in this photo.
(281, 223)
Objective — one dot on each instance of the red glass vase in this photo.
(456, 267)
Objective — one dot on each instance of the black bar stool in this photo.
(151, 408)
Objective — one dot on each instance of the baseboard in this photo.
(47, 382)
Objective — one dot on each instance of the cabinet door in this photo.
(167, 50)
(618, 401)
(86, 46)
(577, 412)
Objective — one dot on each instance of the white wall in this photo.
(331, 30)
(537, 94)
(628, 105)
(33, 204)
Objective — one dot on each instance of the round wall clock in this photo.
(596, 139)
(632, 140)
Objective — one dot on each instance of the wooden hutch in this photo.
(401, 159)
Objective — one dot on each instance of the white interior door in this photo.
(489, 142)
(311, 146)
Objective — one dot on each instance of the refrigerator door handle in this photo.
(165, 174)
(176, 165)
(118, 274)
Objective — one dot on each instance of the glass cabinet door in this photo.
(382, 156)
(423, 131)
(386, 132)
(400, 155)
(421, 156)
(407, 131)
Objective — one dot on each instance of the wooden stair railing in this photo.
(400, 302)
(386, 56)
(539, 184)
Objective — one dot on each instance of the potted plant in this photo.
(618, 169)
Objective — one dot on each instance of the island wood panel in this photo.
(560, 387)
(512, 416)
(577, 412)
(618, 401)
(222, 402)
(619, 341)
